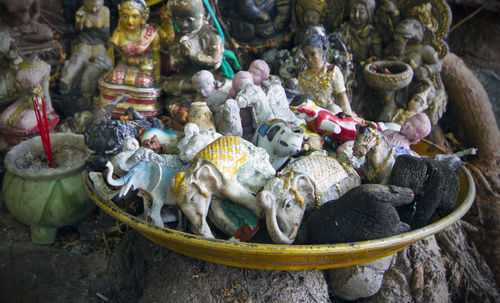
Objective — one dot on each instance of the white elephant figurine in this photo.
(280, 139)
(302, 185)
(229, 167)
(132, 154)
(152, 181)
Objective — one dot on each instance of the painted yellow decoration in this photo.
(226, 153)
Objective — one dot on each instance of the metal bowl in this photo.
(290, 257)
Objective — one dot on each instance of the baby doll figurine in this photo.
(205, 85)
(260, 71)
(412, 131)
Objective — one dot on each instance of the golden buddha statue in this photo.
(136, 70)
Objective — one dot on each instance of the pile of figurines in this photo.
(291, 139)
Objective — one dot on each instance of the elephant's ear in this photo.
(155, 176)
(304, 189)
(207, 177)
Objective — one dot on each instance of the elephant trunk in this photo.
(267, 200)
(109, 176)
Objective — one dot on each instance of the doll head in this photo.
(314, 48)
(204, 83)
(240, 80)
(416, 128)
(259, 70)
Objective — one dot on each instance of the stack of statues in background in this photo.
(278, 141)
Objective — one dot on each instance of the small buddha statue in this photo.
(257, 25)
(92, 26)
(309, 13)
(365, 42)
(20, 18)
(136, 70)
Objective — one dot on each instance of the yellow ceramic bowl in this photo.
(290, 257)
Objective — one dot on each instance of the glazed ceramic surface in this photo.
(46, 199)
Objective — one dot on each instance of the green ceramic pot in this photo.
(47, 198)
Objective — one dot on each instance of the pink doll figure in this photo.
(412, 131)
(259, 70)
(240, 80)
(339, 127)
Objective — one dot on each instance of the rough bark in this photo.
(444, 268)
(474, 125)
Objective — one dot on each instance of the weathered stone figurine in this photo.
(92, 26)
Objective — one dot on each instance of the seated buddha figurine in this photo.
(18, 121)
(136, 71)
(21, 19)
(92, 26)
(309, 13)
(196, 46)
(322, 81)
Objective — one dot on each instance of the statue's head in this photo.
(133, 14)
(189, 15)
(311, 12)
(260, 71)
(361, 12)
(93, 5)
(314, 47)
(204, 83)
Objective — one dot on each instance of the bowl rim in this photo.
(35, 144)
(464, 202)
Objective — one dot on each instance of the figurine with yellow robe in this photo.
(137, 70)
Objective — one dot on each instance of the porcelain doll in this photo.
(337, 126)
(321, 80)
(412, 131)
(137, 68)
(92, 26)
(205, 84)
